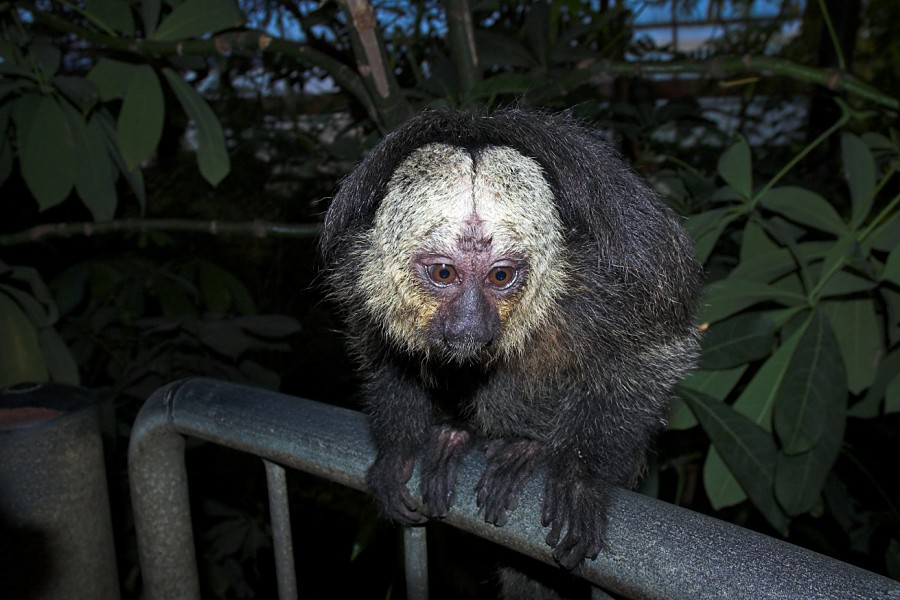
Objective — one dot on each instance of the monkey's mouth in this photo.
(467, 350)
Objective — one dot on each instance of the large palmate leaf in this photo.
(747, 449)
(813, 384)
(736, 168)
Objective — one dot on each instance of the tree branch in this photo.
(372, 64)
(241, 42)
(720, 67)
(259, 229)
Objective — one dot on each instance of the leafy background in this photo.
(165, 166)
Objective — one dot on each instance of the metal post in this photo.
(56, 537)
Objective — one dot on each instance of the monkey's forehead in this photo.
(441, 191)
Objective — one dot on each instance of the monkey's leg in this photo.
(444, 449)
(510, 464)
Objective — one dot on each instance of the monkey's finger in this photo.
(552, 538)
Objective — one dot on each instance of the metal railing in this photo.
(657, 550)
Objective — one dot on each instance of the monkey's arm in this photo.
(401, 418)
(404, 427)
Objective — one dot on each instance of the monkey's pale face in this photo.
(463, 245)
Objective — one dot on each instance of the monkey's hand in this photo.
(446, 447)
(386, 480)
(510, 464)
(575, 503)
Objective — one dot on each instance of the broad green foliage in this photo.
(32, 350)
(65, 139)
(809, 317)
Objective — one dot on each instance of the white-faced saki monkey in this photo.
(508, 281)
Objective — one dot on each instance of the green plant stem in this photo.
(845, 116)
(860, 238)
(89, 16)
(724, 67)
(838, 51)
(461, 36)
(259, 229)
(887, 210)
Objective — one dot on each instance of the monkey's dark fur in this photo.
(581, 394)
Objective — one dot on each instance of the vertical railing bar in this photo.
(415, 552)
(280, 514)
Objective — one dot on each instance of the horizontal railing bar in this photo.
(656, 550)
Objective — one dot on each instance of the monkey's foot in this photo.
(575, 504)
(510, 464)
(444, 450)
(386, 480)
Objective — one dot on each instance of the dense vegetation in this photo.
(164, 166)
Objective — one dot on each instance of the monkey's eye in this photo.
(501, 276)
(442, 274)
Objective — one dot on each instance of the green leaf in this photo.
(47, 153)
(730, 296)
(47, 57)
(112, 77)
(720, 485)
(738, 340)
(814, 382)
(799, 479)
(757, 401)
(503, 83)
(680, 416)
(805, 207)
(755, 241)
(501, 49)
(195, 18)
(845, 283)
(857, 327)
(706, 228)
(35, 311)
(220, 289)
(892, 396)
(715, 384)
(870, 406)
(113, 14)
(135, 177)
(764, 267)
(141, 117)
(58, 358)
(886, 236)
(80, 92)
(747, 449)
(150, 10)
(891, 271)
(95, 176)
(859, 166)
(736, 168)
(212, 155)
(21, 360)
